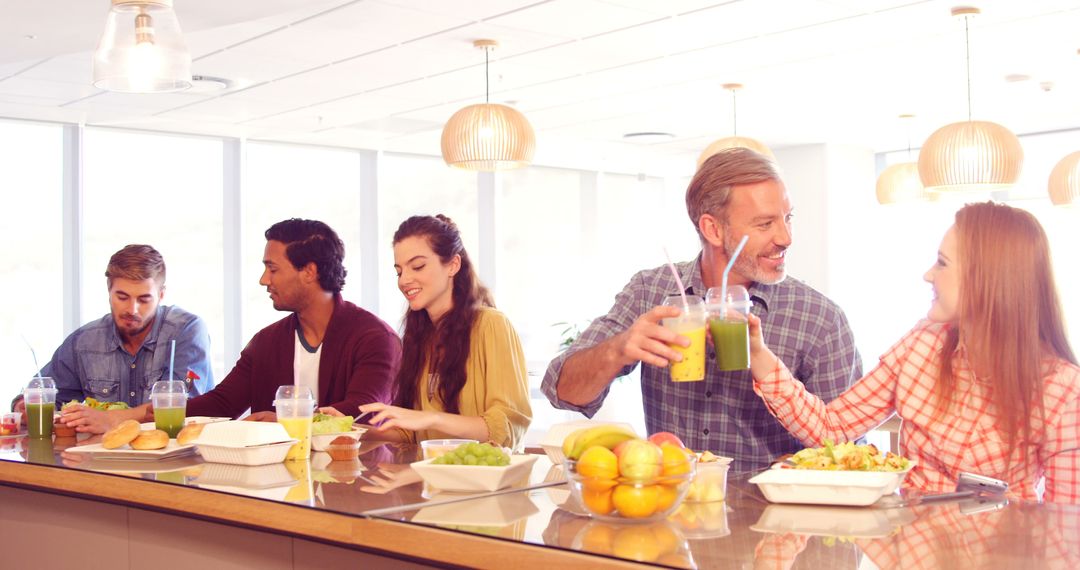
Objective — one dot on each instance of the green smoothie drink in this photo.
(729, 339)
(39, 397)
(39, 419)
(169, 420)
(728, 310)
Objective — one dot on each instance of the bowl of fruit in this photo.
(617, 476)
(474, 467)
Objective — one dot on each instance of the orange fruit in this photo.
(635, 543)
(598, 462)
(665, 497)
(598, 501)
(676, 460)
(636, 502)
(675, 560)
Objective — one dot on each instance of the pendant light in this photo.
(734, 141)
(142, 49)
(488, 136)
(1065, 181)
(970, 155)
(900, 182)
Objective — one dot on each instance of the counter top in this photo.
(378, 504)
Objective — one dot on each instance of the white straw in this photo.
(734, 256)
(37, 369)
(678, 281)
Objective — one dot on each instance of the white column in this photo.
(369, 229)
(232, 217)
(488, 187)
(72, 206)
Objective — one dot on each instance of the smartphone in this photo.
(981, 484)
(982, 505)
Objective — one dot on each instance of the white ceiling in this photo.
(386, 74)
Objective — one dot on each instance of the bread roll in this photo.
(120, 435)
(189, 434)
(150, 439)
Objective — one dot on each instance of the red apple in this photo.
(662, 437)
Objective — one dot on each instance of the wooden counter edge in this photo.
(389, 538)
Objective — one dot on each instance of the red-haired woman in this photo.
(463, 370)
(988, 384)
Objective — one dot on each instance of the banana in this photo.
(604, 435)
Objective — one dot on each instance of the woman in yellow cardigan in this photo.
(463, 370)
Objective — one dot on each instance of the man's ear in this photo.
(712, 230)
(161, 293)
(310, 272)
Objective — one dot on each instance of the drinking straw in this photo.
(678, 281)
(37, 369)
(172, 357)
(734, 256)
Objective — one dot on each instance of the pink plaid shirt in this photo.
(966, 439)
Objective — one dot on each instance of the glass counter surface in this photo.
(744, 531)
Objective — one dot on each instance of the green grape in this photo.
(470, 459)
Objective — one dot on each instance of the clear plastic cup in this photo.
(295, 407)
(169, 398)
(39, 396)
(691, 324)
(433, 448)
(728, 326)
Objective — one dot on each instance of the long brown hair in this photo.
(445, 344)
(1010, 315)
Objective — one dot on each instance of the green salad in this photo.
(325, 423)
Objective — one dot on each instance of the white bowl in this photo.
(553, 439)
(320, 441)
(497, 511)
(475, 477)
(813, 487)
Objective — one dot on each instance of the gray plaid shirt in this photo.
(722, 414)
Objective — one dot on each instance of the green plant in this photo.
(569, 333)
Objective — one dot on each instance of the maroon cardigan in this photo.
(360, 357)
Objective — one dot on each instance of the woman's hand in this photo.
(388, 417)
(388, 478)
(762, 360)
(330, 411)
(261, 417)
(757, 341)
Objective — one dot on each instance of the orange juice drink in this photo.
(692, 366)
(298, 428)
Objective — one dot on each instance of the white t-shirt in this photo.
(306, 365)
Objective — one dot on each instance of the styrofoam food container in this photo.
(553, 440)
(475, 477)
(320, 441)
(250, 455)
(813, 487)
(242, 434)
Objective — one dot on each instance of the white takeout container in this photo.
(247, 476)
(475, 477)
(813, 487)
(553, 440)
(244, 443)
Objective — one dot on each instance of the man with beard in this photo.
(736, 192)
(118, 357)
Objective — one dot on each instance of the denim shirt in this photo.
(92, 361)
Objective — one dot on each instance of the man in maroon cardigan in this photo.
(346, 354)
(349, 355)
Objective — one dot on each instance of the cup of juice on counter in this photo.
(39, 397)
(728, 326)
(295, 406)
(691, 324)
(169, 398)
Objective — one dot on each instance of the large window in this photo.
(412, 185)
(288, 181)
(165, 191)
(32, 287)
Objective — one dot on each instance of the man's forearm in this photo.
(586, 373)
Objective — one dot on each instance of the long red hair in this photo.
(1010, 315)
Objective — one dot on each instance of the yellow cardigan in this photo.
(496, 386)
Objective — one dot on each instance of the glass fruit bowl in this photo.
(630, 499)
